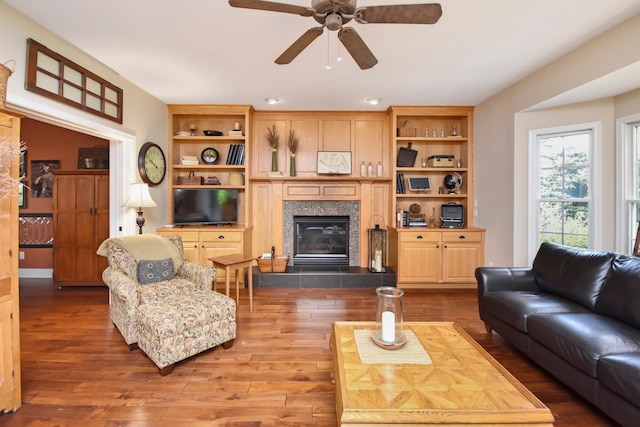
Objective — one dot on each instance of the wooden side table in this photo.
(237, 262)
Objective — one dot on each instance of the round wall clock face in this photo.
(152, 165)
(209, 155)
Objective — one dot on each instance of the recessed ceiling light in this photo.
(373, 101)
(271, 101)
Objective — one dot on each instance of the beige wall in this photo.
(500, 147)
(145, 117)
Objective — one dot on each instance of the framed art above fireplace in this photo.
(334, 162)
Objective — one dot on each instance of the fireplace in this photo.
(320, 240)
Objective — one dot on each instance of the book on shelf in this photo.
(235, 133)
(189, 160)
(236, 154)
(400, 188)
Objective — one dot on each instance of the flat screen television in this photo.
(199, 206)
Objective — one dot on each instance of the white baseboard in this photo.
(35, 273)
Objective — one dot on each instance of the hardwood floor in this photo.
(78, 371)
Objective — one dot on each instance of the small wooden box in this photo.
(191, 179)
(440, 161)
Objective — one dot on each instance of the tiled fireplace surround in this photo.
(324, 208)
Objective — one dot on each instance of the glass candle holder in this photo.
(389, 331)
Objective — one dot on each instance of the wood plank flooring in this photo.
(78, 371)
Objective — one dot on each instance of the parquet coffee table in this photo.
(463, 384)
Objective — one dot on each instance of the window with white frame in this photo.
(630, 183)
(561, 187)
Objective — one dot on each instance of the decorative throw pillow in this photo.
(153, 271)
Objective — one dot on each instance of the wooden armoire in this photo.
(10, 391)
(80, 224)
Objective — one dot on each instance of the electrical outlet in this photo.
(21, 255)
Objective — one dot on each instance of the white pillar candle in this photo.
(378, 261)
(388, 326)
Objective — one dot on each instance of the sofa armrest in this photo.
(505, 278)
(121, 285)
(202, 275)
(492, 279)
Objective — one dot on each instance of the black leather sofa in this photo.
(577, 314)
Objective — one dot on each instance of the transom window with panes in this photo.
(56, 77)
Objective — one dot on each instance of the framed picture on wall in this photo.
(42, 177)
(334, 162)
(23, 164)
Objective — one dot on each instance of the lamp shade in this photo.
(139, 197)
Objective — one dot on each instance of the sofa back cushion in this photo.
(575, 274)
(620, 296)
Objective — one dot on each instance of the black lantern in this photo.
(377, 249)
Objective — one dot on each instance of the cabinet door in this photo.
(461, 254)
(220, 243)
(74, 227)
(419, 258)
(191, 251)
(7, 384)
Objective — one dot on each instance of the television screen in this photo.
(205, 206)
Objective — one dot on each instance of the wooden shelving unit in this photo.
(434, 256)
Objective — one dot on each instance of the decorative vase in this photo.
(389, 333)
(292, 165)
(274, 160)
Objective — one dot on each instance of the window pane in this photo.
(563, 188)
(93, 102)
(46, 82)
(47, 63)
(72, 76)
(94, 86)
(110, 110)
(72, 93)
(111, 95)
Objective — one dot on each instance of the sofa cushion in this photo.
(159, 291)
(153, 271)
(514, 307)
(620, 296)
(581, 339)
(575, 274)
(619, 373)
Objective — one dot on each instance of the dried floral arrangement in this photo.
(9, 155)
(293, 142)
(272, 137)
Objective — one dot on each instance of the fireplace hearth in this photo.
(320, 240)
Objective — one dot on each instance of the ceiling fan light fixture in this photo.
(373, 101)
(272, 101)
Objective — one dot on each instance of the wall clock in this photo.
(209, 155)
(152, 165)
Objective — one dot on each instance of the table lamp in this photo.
(139, 198)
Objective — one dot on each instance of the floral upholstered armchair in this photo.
(146, 269)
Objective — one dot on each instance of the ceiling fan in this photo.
(333, 14)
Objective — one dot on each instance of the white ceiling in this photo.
(205, 51)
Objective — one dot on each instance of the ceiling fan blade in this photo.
(357, 48)
(399, 14)
(299, 45)
(271, 6)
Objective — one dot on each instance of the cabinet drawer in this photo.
(419, 236)
(187, 236)
(227, 236)
(462, 236)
